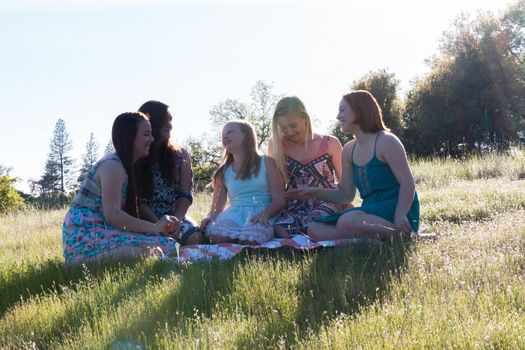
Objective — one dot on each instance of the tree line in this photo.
(471, 100)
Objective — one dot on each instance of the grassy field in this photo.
(466, 290)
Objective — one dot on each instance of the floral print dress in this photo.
(85, 232)
(164, 200)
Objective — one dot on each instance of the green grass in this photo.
(466, 290)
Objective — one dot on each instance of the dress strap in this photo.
(353, 149)
(324, 145)
(375, 143)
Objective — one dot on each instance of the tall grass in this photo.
(438, 172)
(466, 290)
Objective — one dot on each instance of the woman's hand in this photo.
(301, 193)
(260, 218)
(402, 225)
(169, 225)
(205, 222)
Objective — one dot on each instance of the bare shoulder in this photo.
(389, 141)
(269, 149)
(269, 161)
(110, 167)
(333, 142)
(184, 154)
(347, 149)
(349, 145)
(390, 148)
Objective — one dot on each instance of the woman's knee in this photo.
(350, 221)
(195, 238)
(310, 231)
(314, 231)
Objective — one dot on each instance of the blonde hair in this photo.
(284, 106)
(252, 162)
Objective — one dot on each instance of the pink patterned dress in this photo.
(316, 172)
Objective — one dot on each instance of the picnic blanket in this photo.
(225, 251)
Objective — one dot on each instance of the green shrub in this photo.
(10, 200)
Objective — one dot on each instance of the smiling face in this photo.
(232, 137)
(293, 126)
(165, 130)
(143, 140)
(346, 117)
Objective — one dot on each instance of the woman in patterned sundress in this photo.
(165, 178)
(103, 219)
(375, 163)
(305, 159)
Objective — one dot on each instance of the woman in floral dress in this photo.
(165, 178)
(103, 220)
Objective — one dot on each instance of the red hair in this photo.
(368, 114)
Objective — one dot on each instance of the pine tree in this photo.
(89, 158)
(4, 170)
(109, 147)
(58, 171)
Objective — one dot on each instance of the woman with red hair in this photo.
(375, 163)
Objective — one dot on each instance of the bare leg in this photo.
(194, 238)
(216, 239)
(322, 232)
(358, 224)
(281, 232)
(120, 253)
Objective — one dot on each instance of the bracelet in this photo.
(187, 195)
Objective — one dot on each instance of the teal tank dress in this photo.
(379, 190)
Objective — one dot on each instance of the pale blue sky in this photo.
(89, 61)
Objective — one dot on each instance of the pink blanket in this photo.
(226, 251)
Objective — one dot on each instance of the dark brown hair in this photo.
(123, 134)
(163, 153)
(368, 114)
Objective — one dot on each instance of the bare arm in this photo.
(336, 151)
(276, 186)
(112, 176)
(146, 213)
(392, 150)
(270, 147)
(218, 202)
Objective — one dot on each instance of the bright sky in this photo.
(86, 61)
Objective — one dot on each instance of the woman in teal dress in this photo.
(254, 188)
(375, 163)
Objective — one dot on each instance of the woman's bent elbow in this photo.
(111, 218)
